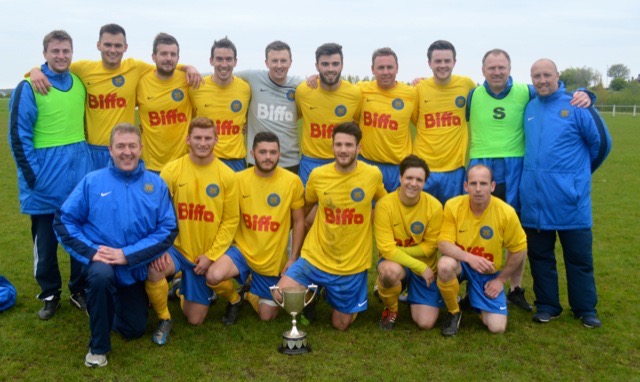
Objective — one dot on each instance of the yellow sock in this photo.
(253, 300)
(389, 296)
(227, 290)
(449, 291)
(158, 295)
(353, 317)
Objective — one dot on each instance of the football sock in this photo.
(158, 295)
(449, 291)
(389, 296)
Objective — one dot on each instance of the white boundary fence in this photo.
(618, 109)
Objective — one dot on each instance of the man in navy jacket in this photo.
(117, 221)
(564, 145)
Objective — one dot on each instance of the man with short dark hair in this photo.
(385, 116)
(164, 106)
(271, 203)
(441, 128)
(224, 98)
(322, 108)
(273, 103)
(46, 136)
(205, 198)
(407, 223)
(337, 251)
(115, 222)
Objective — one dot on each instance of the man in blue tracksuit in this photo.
(117, 221)
(564, 145)
(46, 136)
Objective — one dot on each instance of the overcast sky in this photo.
(595, 34)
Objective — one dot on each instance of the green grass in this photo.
(31, 349)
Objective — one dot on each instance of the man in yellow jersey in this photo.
(337, 251)
(163, 106)
(322, 108)
(387, 106)
(111, 89)
(441, 128)
(407, 224)
(224, 98)
(46, 136)
(205, 198)
(476, 229)
(271, 199)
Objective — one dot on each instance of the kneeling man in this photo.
(476, 229)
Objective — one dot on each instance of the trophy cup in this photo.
(294, 341)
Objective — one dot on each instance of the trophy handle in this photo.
(315, 290)
(277, 289)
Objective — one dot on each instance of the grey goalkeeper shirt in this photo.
(273, 108)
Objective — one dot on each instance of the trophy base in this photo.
(294, 345)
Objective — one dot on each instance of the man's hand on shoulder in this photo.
(39, 81)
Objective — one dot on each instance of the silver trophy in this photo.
(294, 341)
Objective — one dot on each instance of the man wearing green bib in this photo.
(495, 112)
(46, 136)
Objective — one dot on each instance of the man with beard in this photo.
(224, 98)
(333, 102)
(111, 88)
(441, 128)
(164, 108)
(337, 251)
(205, 198)
(271, 199)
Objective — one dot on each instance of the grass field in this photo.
(31, 349)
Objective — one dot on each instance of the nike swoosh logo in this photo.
(369, 100)
(263, 90)
(208, 104)
(530, 118)
(362, 303)
(245, 196)
(503, 308)
(426, 100)
(103, 194)
(462, 230)
(182, 184)
(312, 107)
(149, 97)
(327, 192)
(397, 224)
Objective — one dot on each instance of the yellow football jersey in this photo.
(165, 112)
(226, 106)
(442, 138)
(265, 209)
(384, 119)
(321, 111)
(340, 239)
(111, 95)
(488, 235)
(206, 202)
(398, 226)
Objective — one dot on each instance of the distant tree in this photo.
(574, 78)
(617, 84)
(618, 71)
